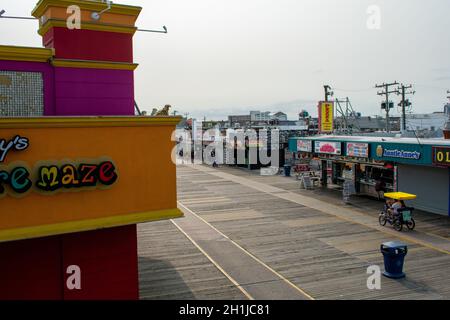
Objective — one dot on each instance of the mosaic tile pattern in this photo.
(21, 94)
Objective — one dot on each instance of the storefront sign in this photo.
(328, 147)
(359, 150)
(65, 175)
(16, 179)
(402, 154)
(17, 143)
(326, 117)
(304, 145)
(398, 153)
(441, 156)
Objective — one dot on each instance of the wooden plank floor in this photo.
(172, 268)
(430, 223)
(325, 256)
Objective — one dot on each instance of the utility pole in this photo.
(136, 107)
(405, 103)
(328, 92)
(386, 93)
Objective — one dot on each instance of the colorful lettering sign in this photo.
(328, 147)
(441, 156)
(65, 175)
(16, 179)
(359, 150)
(17, 143)
(304, 145)
(326, 117)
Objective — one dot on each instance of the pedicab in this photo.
(403, 216)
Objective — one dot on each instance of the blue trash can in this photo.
(394, 253)
(287, 170)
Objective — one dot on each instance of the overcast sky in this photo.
(233, 56)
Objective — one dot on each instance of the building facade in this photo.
(418, 166)
(72, 102)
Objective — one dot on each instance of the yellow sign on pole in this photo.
(326, 117)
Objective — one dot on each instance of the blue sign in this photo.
(401, 154)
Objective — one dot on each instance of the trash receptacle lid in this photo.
(394, 244)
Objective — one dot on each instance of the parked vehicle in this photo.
(400, 217)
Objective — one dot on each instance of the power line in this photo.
(431, 87)
(2, 12)
(353, 90)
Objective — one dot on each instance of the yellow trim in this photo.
(86, 26)
(87, 225)
(94, 64)
(83, 122)
(25, 53)
(42, 6)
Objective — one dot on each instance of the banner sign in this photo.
(328, 147)
(65, 175)
(326, 117)
(359, 150)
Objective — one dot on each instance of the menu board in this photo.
(328, 147)
(304, 145)
(359, 150)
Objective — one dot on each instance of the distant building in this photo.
(256, 116)
(446, 130)
(260, 116)
(239, 120)
(366, 124)
(431, 122)
(281, 116)
(447, 109)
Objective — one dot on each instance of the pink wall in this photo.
(47, 74)
(93, 92)
(81, 92)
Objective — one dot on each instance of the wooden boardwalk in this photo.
(321, 253)
(172, 268)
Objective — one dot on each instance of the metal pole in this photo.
(386, 93)
(402, 90)
(388, 126)
(403, 109)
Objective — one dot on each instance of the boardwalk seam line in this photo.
(214, 262)
(250, 254)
